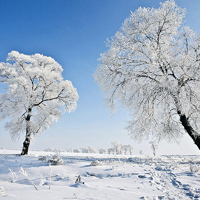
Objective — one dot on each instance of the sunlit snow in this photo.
(98, 176)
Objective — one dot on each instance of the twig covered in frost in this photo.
(2, 191)
(13, 175)
(50, 174)
(24, 173)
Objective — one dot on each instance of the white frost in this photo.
(35, 83)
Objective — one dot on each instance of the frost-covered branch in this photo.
(25, 174)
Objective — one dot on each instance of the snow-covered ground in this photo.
(111, 177)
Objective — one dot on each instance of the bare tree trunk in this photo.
(191, 132)
(26, 143)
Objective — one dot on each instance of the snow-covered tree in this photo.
(84, 150)
(152, 68)
(76, 151)
(91, 150)
(102, 151)
(111, 151)
(36, 94)
(154, 147)
(127, 148)
(130, 149)
(117, 146)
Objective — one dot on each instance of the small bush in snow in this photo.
(56, 160)
(95, 163)
(194, 168)
(43, 158)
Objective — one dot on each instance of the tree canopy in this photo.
(152, 69)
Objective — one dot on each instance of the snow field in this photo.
(103, 177)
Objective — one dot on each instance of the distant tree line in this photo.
(116, 148)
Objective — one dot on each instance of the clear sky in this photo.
(74, 32)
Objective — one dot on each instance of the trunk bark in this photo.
(26, 143)
(191, 132)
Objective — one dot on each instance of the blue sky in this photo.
(74, 32)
